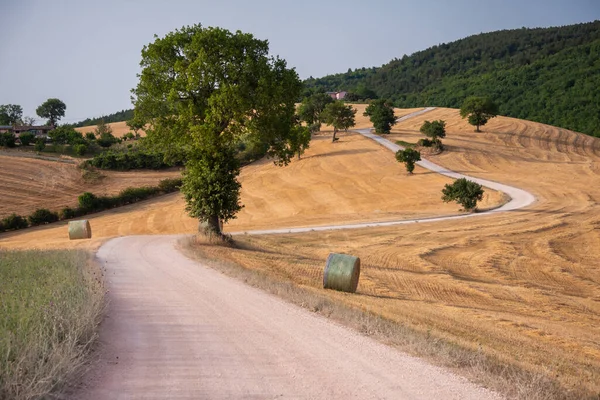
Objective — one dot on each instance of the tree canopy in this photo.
(10, 114)
(340, 116)
(465, 192)
(53, 110)
(478, 110)
(199, 92)
(409, 157)
(381, 113)
(311, 108)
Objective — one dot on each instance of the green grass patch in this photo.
(405, 144)
(50, 306)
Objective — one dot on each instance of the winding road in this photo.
(178, 330)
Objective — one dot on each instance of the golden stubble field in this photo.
(27, 184)
(523, 285)
(119, 129)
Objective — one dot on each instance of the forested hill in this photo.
(123, 115)
(549, 75)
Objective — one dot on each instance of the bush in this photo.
(88, 202)
(40, 144)
(464, 192)
(106, 139)
(67, 213)
(42, 216)
(169, 185)
(14, 222)
(80, 149)
(132, 195)
(8, 139)
(425, 143)
(26, 138)
(90, 136)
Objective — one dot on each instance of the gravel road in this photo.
(178, 330)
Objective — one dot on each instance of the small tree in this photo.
(104, 134)
(340, 116)
(80, 149)
(8, 139)
(409, 157)
(28, 121)
(435, 131)
(312, 107)
(26, 138)
(40, 144)
(53, 110)
(464, 192)
(299, 139)
(381, 114)
(42, 216)
(479, 111)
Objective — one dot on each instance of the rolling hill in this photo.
(548, 75)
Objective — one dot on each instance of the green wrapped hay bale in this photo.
(80, 229)
(341, 272)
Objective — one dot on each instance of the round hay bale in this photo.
(80, 229)
(341, 272)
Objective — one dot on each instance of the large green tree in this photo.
(311, 108)
(479, 110)
(201, 90)
(409, 157)
(53, 110)
(340, 116)
(381, 114)
(465, 192)
(10, 114)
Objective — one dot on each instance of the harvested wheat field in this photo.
(352, 180)
(27, 184)
(523, 286)
(119, 129)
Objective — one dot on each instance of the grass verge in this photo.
(405, 144)
(512, 381)
(50, 308)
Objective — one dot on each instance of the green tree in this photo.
(299, 139)
(464, 192)
(104, 135)
(8, 139)
(26, 138)
(66, 134)
(90, 136)
(409, 157)
(10, 114)
(340, 116)
(381, 114)
(200, 91)
(311, 108)
(53, 110)
(479, 110)
(435, 131)
(80, 149)
(40, 144)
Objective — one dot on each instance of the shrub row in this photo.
(127, 160)
(89, 203)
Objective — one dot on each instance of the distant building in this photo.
(39, 131)
(5, 128)
(338, 95)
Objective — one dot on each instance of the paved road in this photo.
(519, 198)
(178, 330)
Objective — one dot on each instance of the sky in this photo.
(87, 52)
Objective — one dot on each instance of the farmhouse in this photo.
(338, 95)
(39, 131)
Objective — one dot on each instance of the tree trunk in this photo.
(210, 227)
(298, 155)
(477, 130)
(334, 138)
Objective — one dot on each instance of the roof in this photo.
(28, 127)
(5, 126)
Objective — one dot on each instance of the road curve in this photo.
(519, 198)
(178, 330)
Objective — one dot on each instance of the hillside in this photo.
(28, 184)
(548, 75)
(119, 116)
(119, 129)
(522, 286)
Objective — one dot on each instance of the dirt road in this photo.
(179, 330)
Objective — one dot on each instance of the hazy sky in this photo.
(87, 52)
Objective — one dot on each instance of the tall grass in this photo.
(50, 306)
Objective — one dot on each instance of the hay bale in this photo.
(341, 272)
(80, 229)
